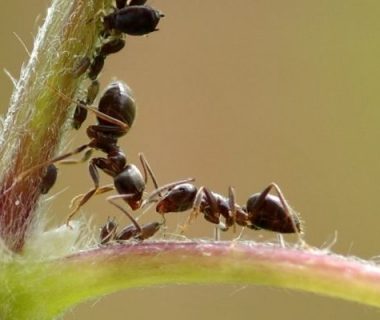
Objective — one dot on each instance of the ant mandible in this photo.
(262, 211)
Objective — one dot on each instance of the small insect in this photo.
(96, 66)
(80, 113)
(115, 115)
(112, 46)
(81, 67)
(135, 20)
(133, 231)
(49, 178)
(263, 210)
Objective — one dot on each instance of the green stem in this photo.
(37, 116)
(66, 282)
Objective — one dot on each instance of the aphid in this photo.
(49, 178)
(112, 46)
(108, 231)
(134, 231)
(133, 20)
(92, 92)
(96, 66)
(80, 113)
(115, 115)
(81, 67)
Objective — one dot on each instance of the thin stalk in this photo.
(68, 281)
(38, 116)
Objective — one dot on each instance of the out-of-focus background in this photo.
(242, 94)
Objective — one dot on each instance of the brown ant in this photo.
(115, 115)
(262, 211)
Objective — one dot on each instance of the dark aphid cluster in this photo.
(129, 17)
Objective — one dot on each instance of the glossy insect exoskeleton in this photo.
(96, 66)
(212, 205)
(80, 113)
(269, 212)
(134, 231)
(263, 210)
(112, 46)
(115, 114)
(49, 178)
(144, 232)
(133, 20)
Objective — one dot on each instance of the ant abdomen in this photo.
(118, 103)
(271, 215)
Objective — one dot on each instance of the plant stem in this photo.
(105, 270)
(37, 115)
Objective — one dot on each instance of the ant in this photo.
(115, 115)
(109, 230)
(262, 211)
(132, 18)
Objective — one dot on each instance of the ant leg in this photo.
(100, 190)
(85, 158)
(133, 220)
(148, 170)
(87, 196)
(231, 204)
(195, 210)
(22, 175)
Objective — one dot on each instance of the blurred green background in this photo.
(242, 93)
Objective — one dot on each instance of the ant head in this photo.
(179, 198)
(117, 102)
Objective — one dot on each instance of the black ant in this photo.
(262, 211)
(115, 115)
